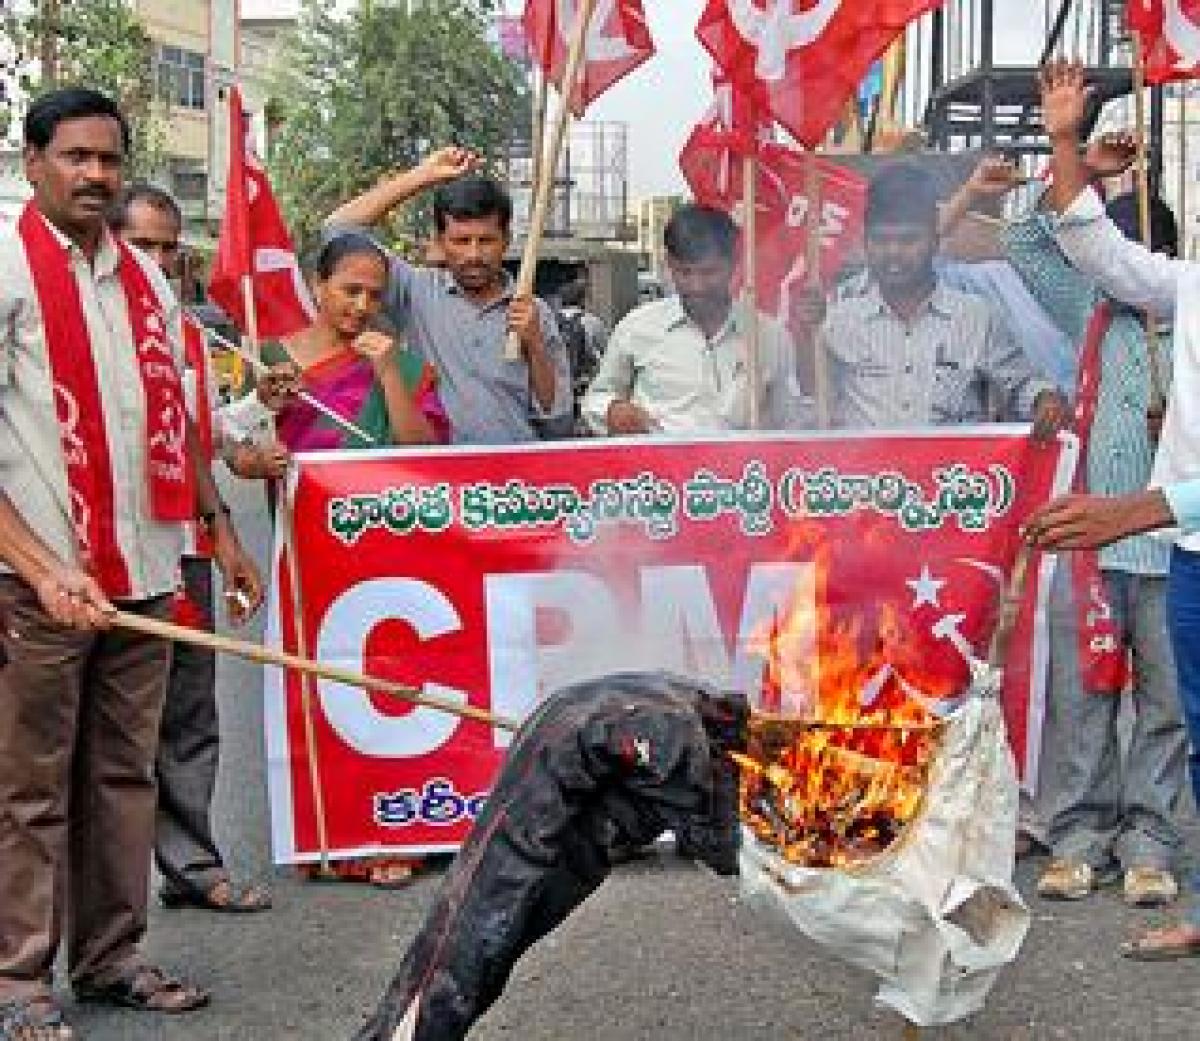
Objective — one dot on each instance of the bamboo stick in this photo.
(538, 130)
(284, 660)
(260, 367)
(812, 273)
(767, 720)
(546, 176)
(1010, 607)
(293, 576)
(750, 282)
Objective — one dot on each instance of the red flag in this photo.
(618, 41)
(805, 58)
(255, 243)
(710, 161)
(1170, 31)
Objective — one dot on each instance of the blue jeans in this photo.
(1183, 617)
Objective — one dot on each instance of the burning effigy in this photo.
(881, 822)
(858, 799)
(603, 766)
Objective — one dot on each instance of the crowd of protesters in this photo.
(110, 423)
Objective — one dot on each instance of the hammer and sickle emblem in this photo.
(778, 29)
(599, 46)
(1182, 34)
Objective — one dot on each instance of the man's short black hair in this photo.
(697, 232)
(1164, 229)
(574, 293)
(149, 195)
(902, 193)
(58, 106)
(471, 198)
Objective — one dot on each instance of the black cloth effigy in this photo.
(602, 766)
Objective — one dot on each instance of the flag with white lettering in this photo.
(873, 564)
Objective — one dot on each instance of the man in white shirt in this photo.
(680, 365)
(1163, 286)
(185, 849)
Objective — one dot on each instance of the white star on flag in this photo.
(925, 588)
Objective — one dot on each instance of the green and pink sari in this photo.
(347, 384)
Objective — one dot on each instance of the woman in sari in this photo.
(346, 363)
(388, 392)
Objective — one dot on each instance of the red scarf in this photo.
(1103, 660)
(78, 404)
(195, 354)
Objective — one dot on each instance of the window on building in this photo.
(180, 76)
(189, 181)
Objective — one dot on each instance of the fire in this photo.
(840, 749)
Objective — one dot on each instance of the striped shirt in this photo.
(32, 472)
(1120, 454)
(955, 362)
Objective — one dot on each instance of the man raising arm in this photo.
(458, 317)
(1132, 274)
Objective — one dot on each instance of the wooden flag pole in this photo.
(1158, 396)
(283, 660)
(750, 284)
(812, 273)
(287, 534)
(538, 130)
(549, 166)
(260, 367)
(1183, 170)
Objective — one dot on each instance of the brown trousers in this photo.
(79, 718)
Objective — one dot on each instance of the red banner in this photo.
(493, 576)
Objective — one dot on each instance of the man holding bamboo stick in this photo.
(1111, 809)
(458, 316)
(99, 469)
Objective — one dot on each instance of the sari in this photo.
(347, 384)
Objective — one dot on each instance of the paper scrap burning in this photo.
(839, 755)
(879, 815)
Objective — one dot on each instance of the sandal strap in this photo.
(31, 1014)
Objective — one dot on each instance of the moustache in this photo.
(102, 194)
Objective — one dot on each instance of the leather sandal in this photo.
(1170, 944)
(224, 898)
(145, 989)
(34, 1019)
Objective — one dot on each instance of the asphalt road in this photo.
(663, 952)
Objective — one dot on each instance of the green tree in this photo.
(365, 92)
(94, 43)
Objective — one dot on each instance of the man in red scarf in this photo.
(99, 470)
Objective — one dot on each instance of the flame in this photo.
(840, 749)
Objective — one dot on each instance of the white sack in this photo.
(937, 915)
